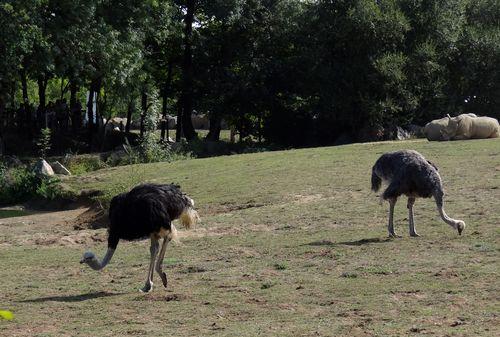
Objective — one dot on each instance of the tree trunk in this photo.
(62, 88)
(3, 114)
(76, 118)
(40, 113)
(24, 85)
(178, 132)
(130, 110)
(94, 85)
(187, 74)
(144, 110)
(164, 121)
(97, 111)
(164, 94)
(215, 127)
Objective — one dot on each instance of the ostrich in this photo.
(409, 173)
(146, 211)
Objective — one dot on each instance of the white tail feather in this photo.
(189, 217)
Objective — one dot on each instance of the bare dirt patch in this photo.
(48, 228)
(93, 218)
(306, 199)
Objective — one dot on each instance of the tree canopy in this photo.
(287, 72)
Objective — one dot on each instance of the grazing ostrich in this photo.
(409, 173)
(146, 211)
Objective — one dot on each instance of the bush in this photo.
(82, 164)
(43, 142)
(149, 150)
(20, 184)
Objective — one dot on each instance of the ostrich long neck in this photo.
(446, 218)
(96, 265)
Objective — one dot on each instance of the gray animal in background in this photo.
(471, 127)
(408, 172)
(465, 126)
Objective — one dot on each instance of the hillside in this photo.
(290, 243)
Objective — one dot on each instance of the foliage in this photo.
(81, 164)
(21, 184)
(149, 150)
(287, 72)
(43, 143)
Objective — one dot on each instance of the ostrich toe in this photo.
(164, 279)
(147, 288)
(414, 235)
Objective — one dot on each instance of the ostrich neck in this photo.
(446, 218)
(96, 265)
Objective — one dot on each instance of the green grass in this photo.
(9, 213)
(291, 243)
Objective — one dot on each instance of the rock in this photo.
(60, 169)
(416, 130)
(42, 168)
(395, 133)
(401, 134)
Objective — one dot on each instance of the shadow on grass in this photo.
(72, 298)
(364, 241)
(349, 243)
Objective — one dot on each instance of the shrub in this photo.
(21, 184)
(149, 150)
(43, 142)
(82, 164)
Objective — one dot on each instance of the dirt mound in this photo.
(93, 218)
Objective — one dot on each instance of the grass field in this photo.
(291, 243)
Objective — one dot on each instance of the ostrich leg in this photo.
(153, 249)
(390, 227)
(159, 261)
(411, 201)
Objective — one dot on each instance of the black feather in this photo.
(145, 210)
(408, 173)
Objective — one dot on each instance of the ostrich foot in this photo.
(414, 235)
(147, 287)
(164, 279)
(394, 235)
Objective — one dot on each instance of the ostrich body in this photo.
(408, 172)
(146, 211)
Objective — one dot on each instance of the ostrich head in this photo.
(90, 259)
(460, 226)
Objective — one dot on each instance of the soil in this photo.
(50, 228)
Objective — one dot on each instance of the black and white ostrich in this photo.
(146, 211)
(408, 172)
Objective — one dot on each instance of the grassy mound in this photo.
(291, 243)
